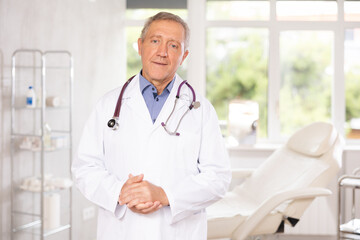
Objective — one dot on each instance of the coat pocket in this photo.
(187, 153)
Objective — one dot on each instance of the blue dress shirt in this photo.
(154, 102)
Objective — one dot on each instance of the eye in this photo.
(174, 46)
(154, 41)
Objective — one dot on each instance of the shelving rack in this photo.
(51, 74)
(349, 229)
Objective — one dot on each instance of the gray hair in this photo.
(170, 17)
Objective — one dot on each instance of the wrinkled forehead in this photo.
(167, 28)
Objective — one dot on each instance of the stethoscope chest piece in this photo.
(196, 105)
(113, 124)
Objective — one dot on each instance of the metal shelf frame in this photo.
(348, 182)
(39, 62)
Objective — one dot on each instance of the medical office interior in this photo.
(269, 67)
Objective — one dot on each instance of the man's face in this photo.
(162, 50)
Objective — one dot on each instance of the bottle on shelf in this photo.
(47, 136)
(31, 98)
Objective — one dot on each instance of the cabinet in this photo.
(41, 145)
(349, 227)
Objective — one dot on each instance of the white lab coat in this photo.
(193, 168)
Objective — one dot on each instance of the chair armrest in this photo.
(274, 201)
(242, 172)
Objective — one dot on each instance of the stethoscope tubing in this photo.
(191, 88)
(113, 122)
(119, 101)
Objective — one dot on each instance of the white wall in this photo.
(91, 31)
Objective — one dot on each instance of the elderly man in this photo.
(160, 161)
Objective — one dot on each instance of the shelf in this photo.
(40, 67)
(347, 236)
(31, 146)
(15, 135)
(50, 184)
(350, 181)
(350, 232)
(38, 135)
(351, 227)
(355, 183)
(26, 226)
(47, 150)
(56, 190)
(35, 225)
(56, 230)
(47, 189)
(40, 108)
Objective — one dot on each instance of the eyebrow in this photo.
(160, 36)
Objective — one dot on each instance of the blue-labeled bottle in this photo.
(31, 98)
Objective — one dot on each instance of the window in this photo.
(306, 76)
(352, 10)
(289, 62)
(352, 82)
(306, 10)
(237, 10)
(237, 70)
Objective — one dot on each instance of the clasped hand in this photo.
(141, 196)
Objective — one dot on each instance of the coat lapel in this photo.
(136, 103)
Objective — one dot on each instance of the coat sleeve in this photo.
(91, 176)
(196, 192)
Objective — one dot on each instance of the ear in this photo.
(184, 56)
(139, 46)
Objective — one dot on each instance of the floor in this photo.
(309, 237)
(290, 237)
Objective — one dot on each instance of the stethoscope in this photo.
(113, 123)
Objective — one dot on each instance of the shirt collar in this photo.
(144, 84)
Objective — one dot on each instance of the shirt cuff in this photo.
(118, 210)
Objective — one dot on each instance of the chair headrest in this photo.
(314, 139)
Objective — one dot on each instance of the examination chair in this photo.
(281, 188)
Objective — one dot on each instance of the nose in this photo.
(162, 50)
